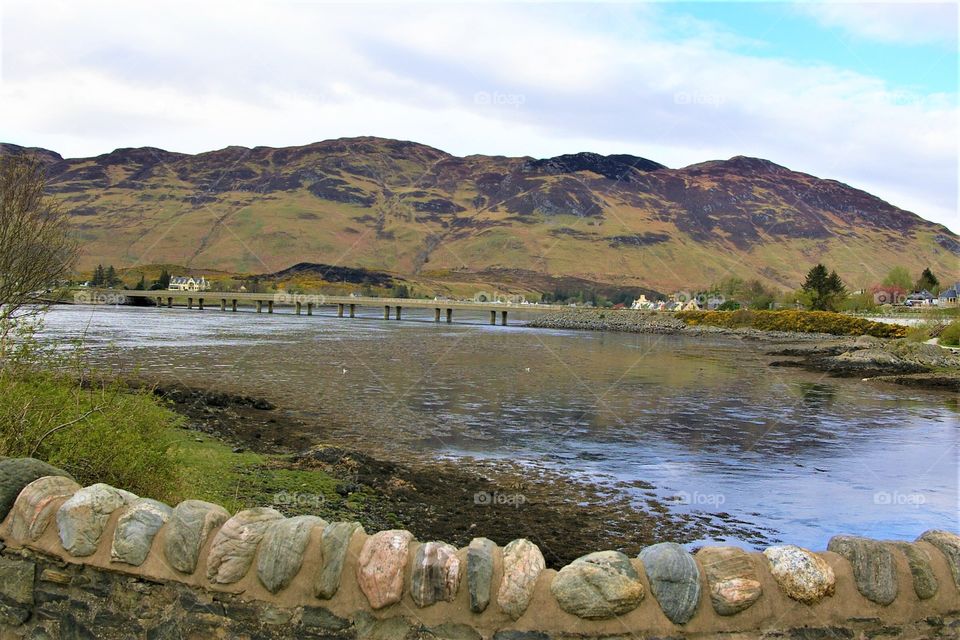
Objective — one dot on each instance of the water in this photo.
(704, 420)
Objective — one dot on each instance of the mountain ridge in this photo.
(407, 208)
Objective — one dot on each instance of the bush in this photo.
(729, 305)
(97, 431)
(798, 321)
(950, 335)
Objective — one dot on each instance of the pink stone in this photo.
(382, 566)
(37, 504)
(522, 565)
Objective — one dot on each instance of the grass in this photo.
(950, 336)
(798, 321)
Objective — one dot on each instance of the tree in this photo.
(899, 277)
(825, 290)
(141, 284)
(111, 278)
(98, 276)
(36, 249)
(163, 282)
(927, 281)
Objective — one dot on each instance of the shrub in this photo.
(729, 305)
(950, 335)
(798, 321)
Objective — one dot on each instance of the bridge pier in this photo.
(340, 310)
(234, 304)
(503, 318)
(436, 315)
(493, 316)
(159, 301)
(259, 306)
(169, 303)
(200, 303)
(399, 309)
(449, 316)
(353, 310)
(269, 306)
(223, 304)
(386, 312)
(189, 303)
(298, 307)
(309, 308)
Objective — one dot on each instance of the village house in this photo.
(188, 283)
(949, 297)
(920, 299)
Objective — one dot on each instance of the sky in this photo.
(865, 93)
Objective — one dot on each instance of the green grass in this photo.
(950, 336)
(799, 321)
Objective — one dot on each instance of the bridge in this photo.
(308, 302)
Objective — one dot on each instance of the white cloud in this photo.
(901, 22)
(84, 78)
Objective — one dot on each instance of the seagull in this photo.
(344, 372)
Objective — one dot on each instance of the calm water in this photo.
(703, 420)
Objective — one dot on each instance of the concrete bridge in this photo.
(302, 302)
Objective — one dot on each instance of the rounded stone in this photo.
(925, 583)
(598, 586)
(480, 572)
(281, 551)
(82, 518)
(949, 545)
(802, 575)
(16, 473)
(731, 578)
(333, 548)
(436, 574)
(136, 529)
(187, 532)
(522, 565)
(382, 566)
(674, 579)
(233, 548)
(874, 569)
(37, 504)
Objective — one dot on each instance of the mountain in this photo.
(416, 211)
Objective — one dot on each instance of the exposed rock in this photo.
(16, 592)
(598, 585)
(136, 529)
(16, 473)
(480, 572)
(674, 579)
(732, 579)
(925, 583)
(81, 518)
(949, 545)
(522, 565)
(436, 574)
(234, 546)
(188, 529)
(37, 504)
(281, 552)
(873, 565)
(803, 575)
(382, 565)
(333, 547)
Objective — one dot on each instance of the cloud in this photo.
(898, 22)
(499, 79)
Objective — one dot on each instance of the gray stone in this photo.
(37, 505)
(674, 579)
(453, 631)
(187, 532)
(480, 572)
(925, 583)
(16, 580)
(323, 618)
(949, 545)
(16, 473)
(234, 546)
(802, 575)
(598, 586)
(333, 548)
(82, 518)
(731, 577)
(874, 569)
(136, 529)
(522, 565)
(281, 551)
(436, 574)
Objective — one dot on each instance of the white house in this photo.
(188, 283)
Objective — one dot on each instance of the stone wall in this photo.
(99, 562)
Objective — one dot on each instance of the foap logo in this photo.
(298, 500)
(284, 297)
(897, 499)
(697, 499)
(699, 98)
(889, 297)
(98, 297)
(496, 499)
(499, 99)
